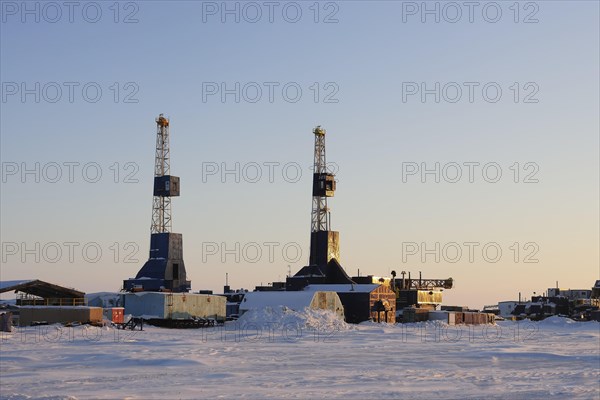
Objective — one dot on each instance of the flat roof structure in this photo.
(45, 290)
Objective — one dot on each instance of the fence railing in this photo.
(51, 302)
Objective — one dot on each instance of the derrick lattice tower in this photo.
(161, 209)
(324, 243)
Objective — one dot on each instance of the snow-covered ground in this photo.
(265, 355)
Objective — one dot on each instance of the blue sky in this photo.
(366, 57)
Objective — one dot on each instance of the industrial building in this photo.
(419, 293)
(578, 304)
(40, 302)
(158, 305)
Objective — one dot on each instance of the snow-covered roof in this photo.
(342, 288)
(102, 294)
(40, 288)
(294, 300)
(7, 284)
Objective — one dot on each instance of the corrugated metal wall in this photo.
(174, 305)
(54, 315)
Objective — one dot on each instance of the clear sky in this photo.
(369, 72)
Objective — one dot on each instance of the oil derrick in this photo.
(323, 266)
(165, 269)
(324, 243)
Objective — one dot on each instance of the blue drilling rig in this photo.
(165, 270)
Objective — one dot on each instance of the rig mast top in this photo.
(165, 185)
(323, 185)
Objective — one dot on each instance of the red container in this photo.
(117, 315)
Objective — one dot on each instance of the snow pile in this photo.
(557, 322)
(282, 317)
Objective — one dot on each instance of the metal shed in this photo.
(39, 293)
